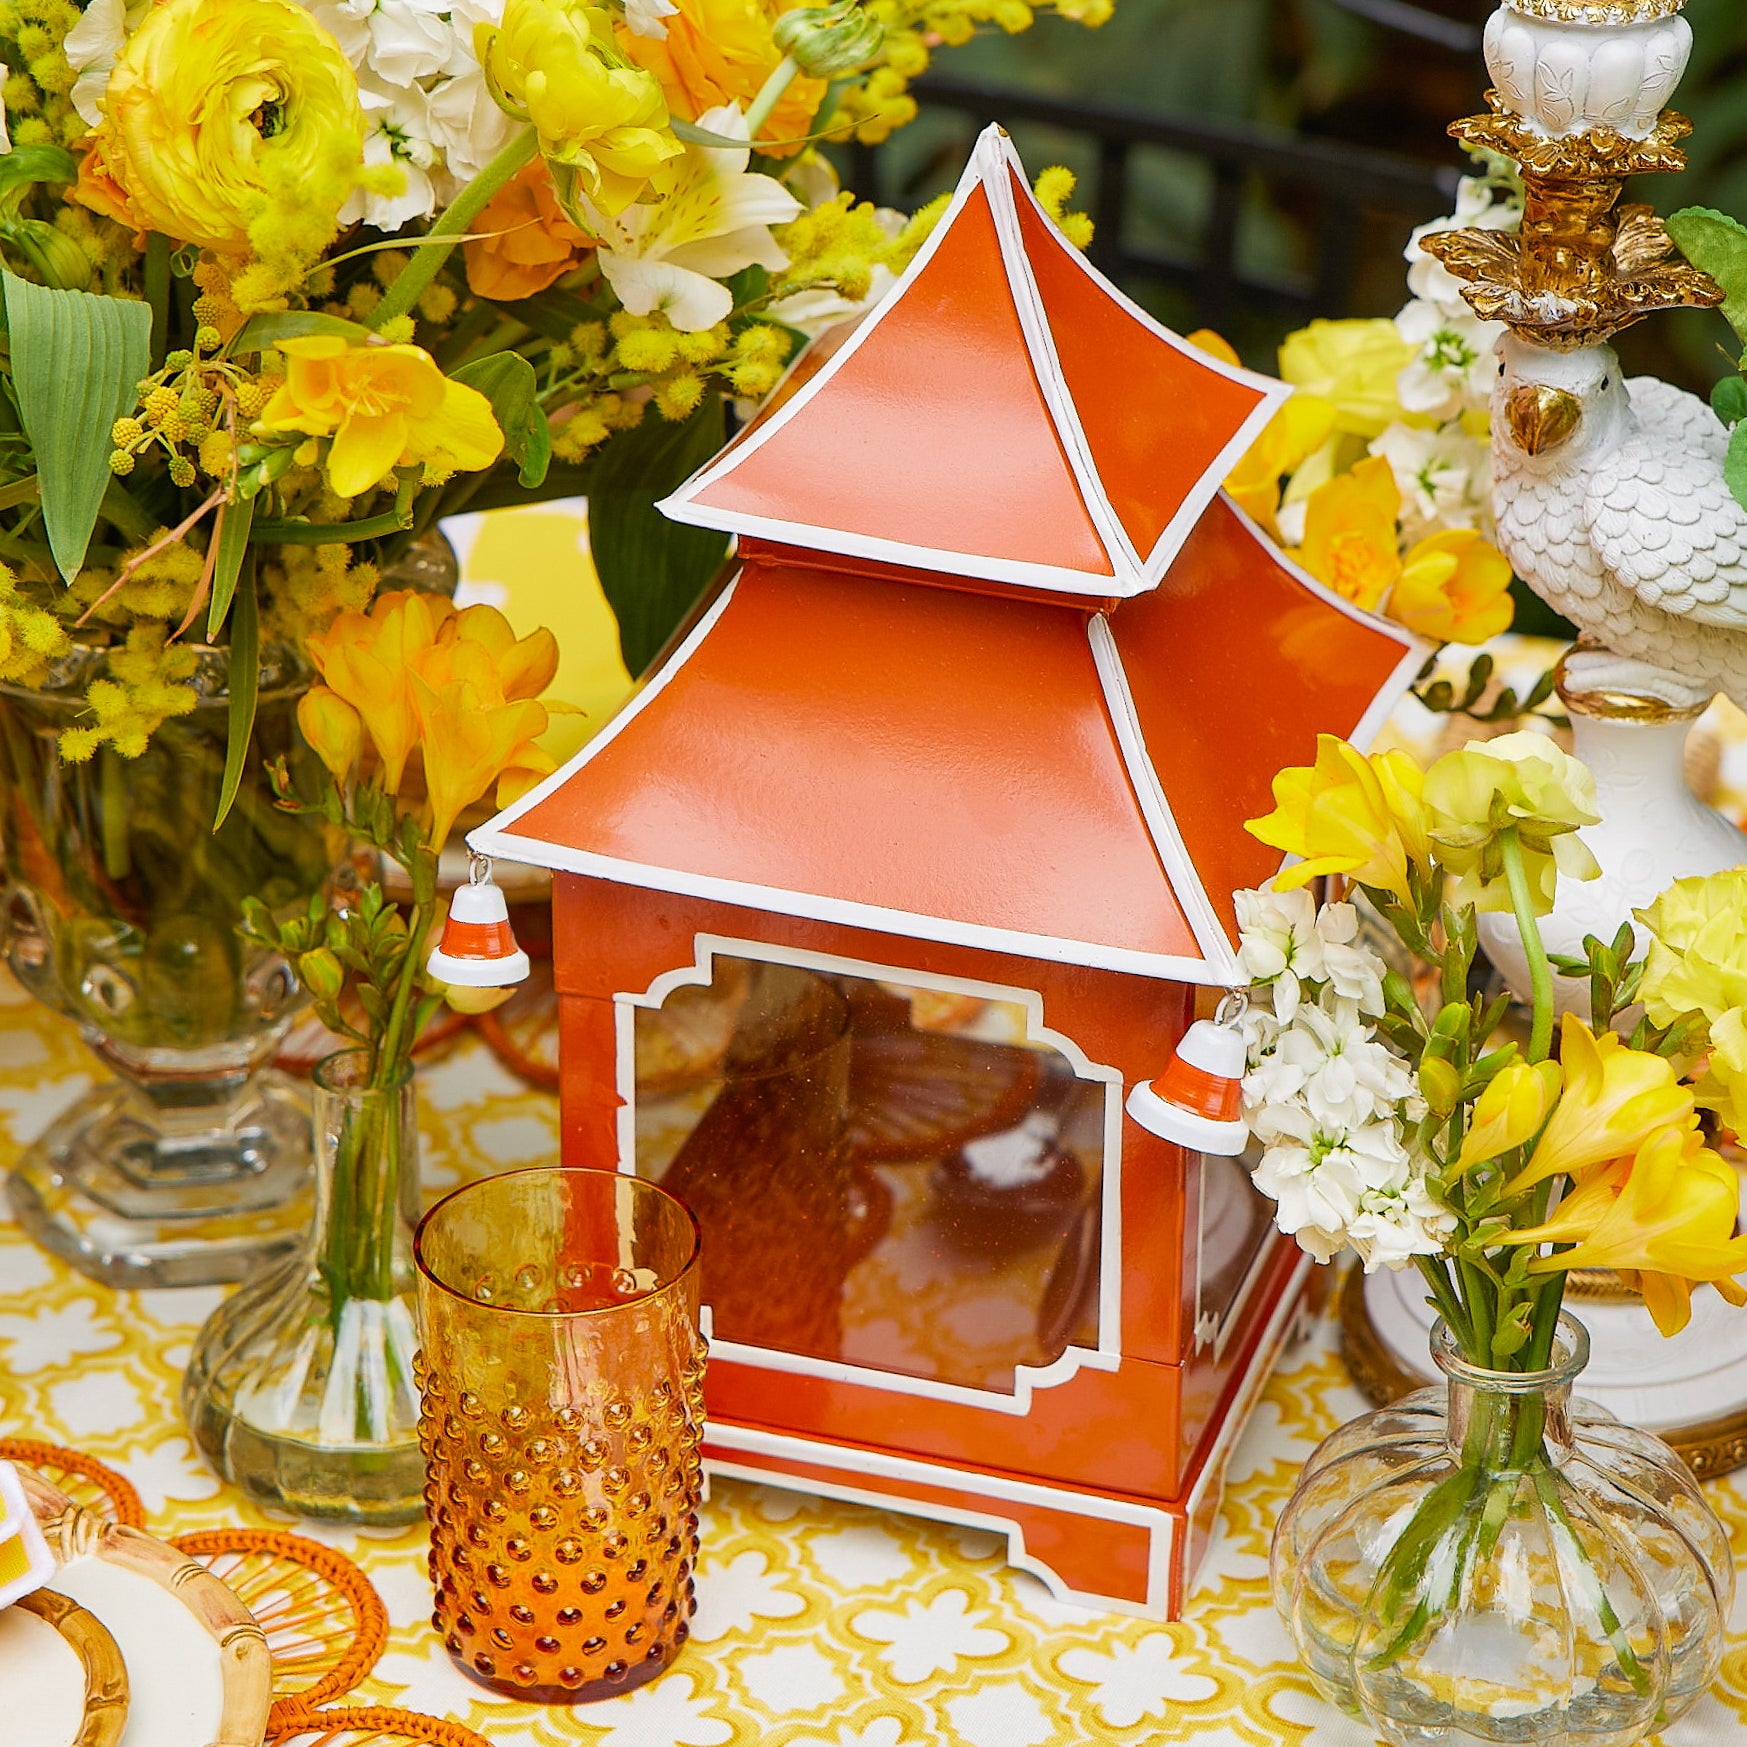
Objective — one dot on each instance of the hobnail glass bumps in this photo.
(562, 1375)
(1494, 1561)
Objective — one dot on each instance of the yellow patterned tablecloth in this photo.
(819, 1624)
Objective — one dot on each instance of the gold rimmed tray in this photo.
(198, 1667)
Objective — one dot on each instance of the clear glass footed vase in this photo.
(1495, 1561)
(120, 910)
(300, 1390)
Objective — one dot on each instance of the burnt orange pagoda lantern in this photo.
(914, 859)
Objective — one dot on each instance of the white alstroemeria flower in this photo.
(648, 17)
(707, 219)
(399, 134)
(1445, 478)
(1349, 967)
(94, 45)
(1452, 367)
(1278, 943)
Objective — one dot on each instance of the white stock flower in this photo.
(708, 219)
(1350, 968)
(1451, 370)
(1480, 205)
(1278, 943)
(1395, 1225)
(1445, 478)
(394, 42)
(400, 134)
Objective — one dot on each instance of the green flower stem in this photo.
(441, 238)
(1540, 972)
(770, 94)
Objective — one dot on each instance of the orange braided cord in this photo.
(369, 1726)
(82, 1478)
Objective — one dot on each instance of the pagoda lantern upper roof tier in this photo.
(1005, 415)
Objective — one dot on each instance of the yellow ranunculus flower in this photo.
(1698, 948)
(1290, 437)
(384, 407)
(1352, 364)
(602, 122)
(1510, 1111)
(1351, 537)
(1614, 1099)
(235, 125)
(1523, 780)
(722, 51)
(1348, 814)
(1454, 588)
(1666, 1219)
(333, 728)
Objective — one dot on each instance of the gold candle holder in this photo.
(562, 1379)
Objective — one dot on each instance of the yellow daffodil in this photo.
(1301, 427)
(1454, 588)
(1613, 1100)
(1347, 814)
(1354, 366)
(1522, 780)
(234, 125)
(722, 51)
(1698, 948)
(333, 728)
(1510, 1111)
(1351, 537)
(523, 242)
(1667, 1220)
(602, 121)
(383, 407)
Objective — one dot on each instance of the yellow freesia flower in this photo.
(722, 51)
(1666, 1219)
(1613, 1100)
(1723, 1087)
(470, 742)
(1698, 948)
(1510, 1111)
(333, 728)
(1353, 365)
(1351, 535)
(602, 121)
(1454, 588)
(384, 407)
(234, 125)
(1523, 780)
(1348, 814)
(1301, 427)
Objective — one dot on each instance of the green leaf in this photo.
(508, 381)
(1717, 244)
(1729, 400)
(652, 570)
(245, 679)
(233, 539)
(76, 364)
(1735, 465)
(24, 166)
(261, 331)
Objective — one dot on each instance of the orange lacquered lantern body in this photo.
(921, 847)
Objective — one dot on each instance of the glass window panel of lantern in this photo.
(897, 1177)
(1233, 1220)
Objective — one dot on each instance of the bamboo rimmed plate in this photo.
(38, 1678)
(198, 1670)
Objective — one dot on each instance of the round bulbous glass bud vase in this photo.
(1495, 1561)
(120, 910)
(300, 1389)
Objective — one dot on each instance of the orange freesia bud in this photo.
(333, 729)
(1614, 1100)
(1667, 1218)
(1509, 1113)
(1348, 814)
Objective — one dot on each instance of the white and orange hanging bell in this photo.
(478, 949)
(1198, 1100)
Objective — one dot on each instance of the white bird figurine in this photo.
(1612, 506)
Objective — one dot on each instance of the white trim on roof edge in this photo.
(988, 168)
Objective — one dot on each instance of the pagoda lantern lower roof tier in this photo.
(1040, 775)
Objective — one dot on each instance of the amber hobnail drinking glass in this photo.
(562, 1380)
